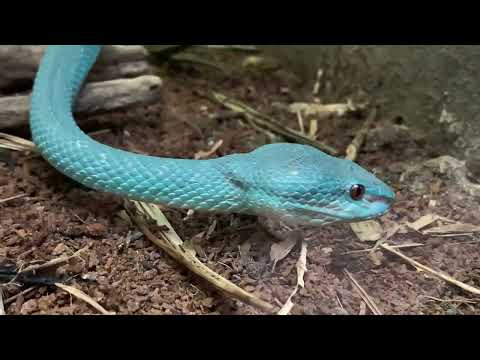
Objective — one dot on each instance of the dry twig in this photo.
(52, 263)
(357, 143)
(435, 273)
(84, 297)
(403, 246)
(364, 295)
(2, 307)
(23, 293)
(2, 201)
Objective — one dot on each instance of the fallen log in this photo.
(19, 64)
(95, 97)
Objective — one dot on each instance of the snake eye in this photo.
(357, 192)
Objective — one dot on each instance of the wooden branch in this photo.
(94, 98)
(123, 70)
(19, 63)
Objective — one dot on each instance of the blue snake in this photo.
(295, 184)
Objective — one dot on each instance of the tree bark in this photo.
(94, 98)
(19, 64)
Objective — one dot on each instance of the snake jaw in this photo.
(338, 209)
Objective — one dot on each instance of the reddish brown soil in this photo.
(58, 217)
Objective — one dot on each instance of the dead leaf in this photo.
(368, 231)
(301, 270)
(423, 222)
(280, 251)
(302, 265)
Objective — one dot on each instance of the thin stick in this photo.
(404, 246)
(391, 232)
(84, 297)
(364, 295)
(12, 198)
(23, 293)
(437, 274)
(11, 142)
(357, 143)
(339, 302)
(100, 132)
(301, 124)
(52, 263)
(2, 307)
(459, 301)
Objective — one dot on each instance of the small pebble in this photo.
(96, 230)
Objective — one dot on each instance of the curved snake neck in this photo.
(228, 184)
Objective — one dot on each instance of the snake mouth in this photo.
(317, 216)
(373, 207)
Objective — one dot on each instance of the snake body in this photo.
(294, 183)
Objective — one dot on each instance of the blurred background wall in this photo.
(433, 89)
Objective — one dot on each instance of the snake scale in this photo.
(295, 184)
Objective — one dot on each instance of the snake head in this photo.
(302, 185)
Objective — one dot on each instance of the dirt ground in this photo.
(126, 274)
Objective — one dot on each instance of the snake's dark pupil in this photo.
(357, 192)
